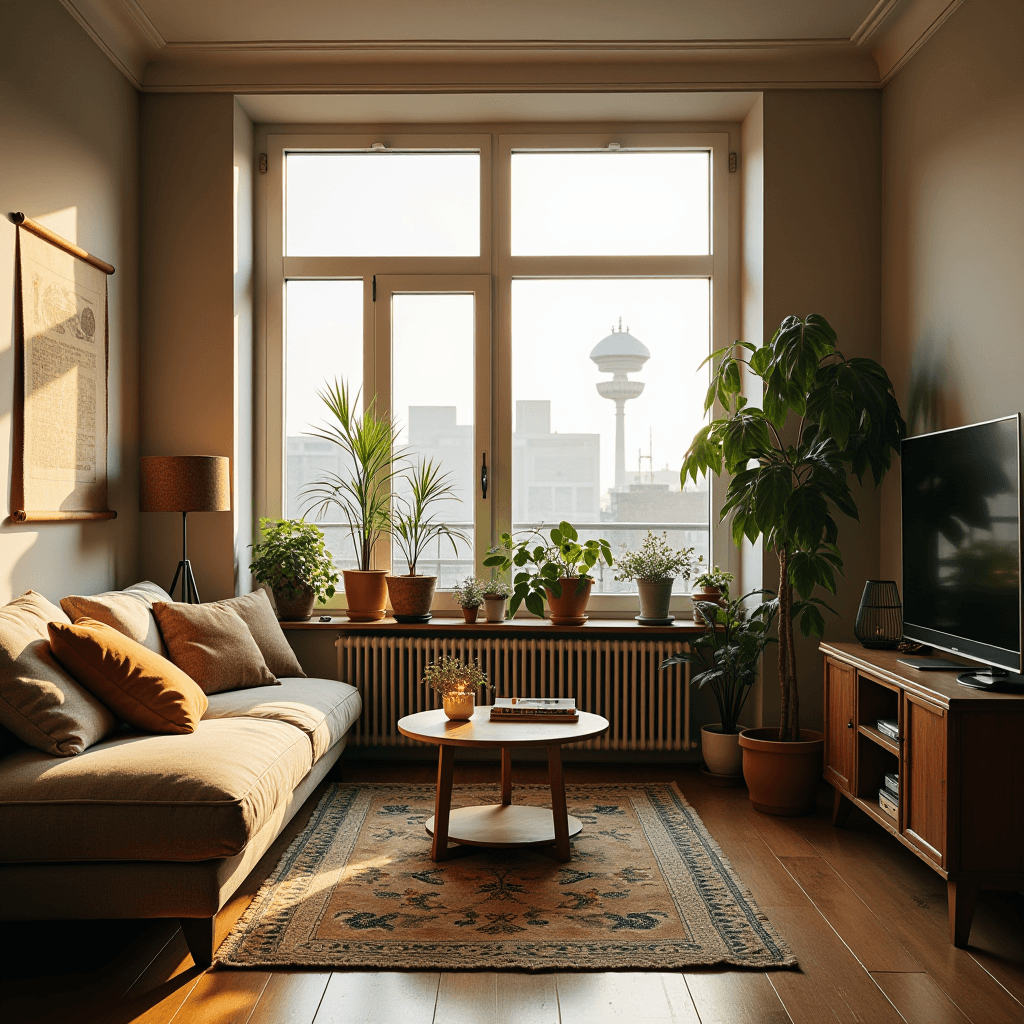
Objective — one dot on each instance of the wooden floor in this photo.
(865, 918)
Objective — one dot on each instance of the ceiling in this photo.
(281, 46)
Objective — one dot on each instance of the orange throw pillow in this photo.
(137, 684)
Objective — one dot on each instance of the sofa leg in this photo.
(198, 933)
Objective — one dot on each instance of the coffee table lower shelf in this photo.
(504, 826)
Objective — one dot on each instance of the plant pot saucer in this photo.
(722, 781)
(413, 618)
(568, 620)
(655, 622)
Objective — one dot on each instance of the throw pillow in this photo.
(138, 685)
(213, 645)
(129, 611)
(258, 615)
(39, 702)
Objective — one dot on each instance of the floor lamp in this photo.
(184, 483)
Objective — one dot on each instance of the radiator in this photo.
(648, 709)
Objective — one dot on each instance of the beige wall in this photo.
(69, 158)
(953, 240)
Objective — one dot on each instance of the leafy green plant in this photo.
(292, 557)
(543, 565)
(412, 527)
(714, 579)
(726, 655)
(363, 496)
(450, 677)
(786, 486)
(469, 593)
(656, 562)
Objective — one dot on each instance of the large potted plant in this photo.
(413, 527)
(362, 494)
(726, 658)
(787, 484)
(558, 572)
(655, 566)
(292, 560)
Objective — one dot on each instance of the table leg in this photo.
(506, 775)
(443, 801)
(558, 809)
(963, 898)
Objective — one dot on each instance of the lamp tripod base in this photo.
(189, 590)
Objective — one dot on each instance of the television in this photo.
(961, 518)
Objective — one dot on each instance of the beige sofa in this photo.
(144, 825)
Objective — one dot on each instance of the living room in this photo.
(879, 179)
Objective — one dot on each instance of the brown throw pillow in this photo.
(138, 685)
(129, 611)
(39, 702)
(257, 614)
(213, 645)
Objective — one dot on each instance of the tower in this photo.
(620, 354)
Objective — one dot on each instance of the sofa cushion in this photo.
(255, 611)
(323, 709)
(211, 643)
(136, 797)
(137, 684)
(39, 702)
(129, 611)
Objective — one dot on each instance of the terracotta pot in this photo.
(494, 608)
(366, 593)
(721, 750)
(655, 598)
(782, 777)
(459, 707)
(470, 614)
(570, 608)
(411, 597)
(707, 594)
(295, 609)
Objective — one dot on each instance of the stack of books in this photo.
(534, 709)
(889, 727)
(889, 795)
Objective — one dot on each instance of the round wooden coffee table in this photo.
(503, 824)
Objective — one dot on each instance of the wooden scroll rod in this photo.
(62, 243)
(21, 516)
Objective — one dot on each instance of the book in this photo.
(534, 706)
(557, 719)
(888, 727)
(892, 783)
(888, 804)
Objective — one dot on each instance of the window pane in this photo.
(323, 342)
(611, 204)
(432, 338)
(607, 398)
(383, 204)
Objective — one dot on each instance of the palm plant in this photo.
(364, 495)
(412, 529)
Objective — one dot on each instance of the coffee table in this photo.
(505, 824)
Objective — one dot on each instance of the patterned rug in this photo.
(647, 889)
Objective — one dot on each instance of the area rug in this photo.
(647, 888)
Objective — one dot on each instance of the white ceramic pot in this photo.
(494, 608)
(721, 750)
(655, 598)
(460, 706)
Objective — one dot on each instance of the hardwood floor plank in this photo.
(223, 997)
(919, 999)
(527, 999)
(379, 997)
(291, 997)
(679, 999)
(997, 939)
(736, 997)
(494, 998)
(606, 998)
(159, 991)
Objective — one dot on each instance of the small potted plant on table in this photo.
(457, 684)
(655, 568)
(496, 594)
(292, 560)
(710, 586)
(470, 595)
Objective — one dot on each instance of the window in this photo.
(555, 340)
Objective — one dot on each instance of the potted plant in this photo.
(362, 495)
(726, 658)
(457, 684)
(655, 567)
(413, 527)
(470, 595)
(292, 560)
(496, 595)
(710, 586)
(786, 487)
(559, 572)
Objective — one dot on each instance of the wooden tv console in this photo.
(960, 762)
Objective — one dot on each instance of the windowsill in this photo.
(522, 627)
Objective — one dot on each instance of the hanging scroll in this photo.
(60, 458)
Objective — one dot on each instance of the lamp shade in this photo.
(184, 483)
(879, 624)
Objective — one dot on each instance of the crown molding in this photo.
(905, 26)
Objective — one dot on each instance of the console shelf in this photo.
(959, 760)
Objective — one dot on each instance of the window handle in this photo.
(483, 476)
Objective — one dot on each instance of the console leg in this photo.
(963, 898)
(506, 775)
(443, 801)
(198, 932)
(841, 809)
(559, 812)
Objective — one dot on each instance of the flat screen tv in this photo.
(961, 493)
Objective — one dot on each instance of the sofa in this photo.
(144, 825)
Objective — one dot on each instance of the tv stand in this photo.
(960, 763)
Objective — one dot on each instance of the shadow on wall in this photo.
(931, 403)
